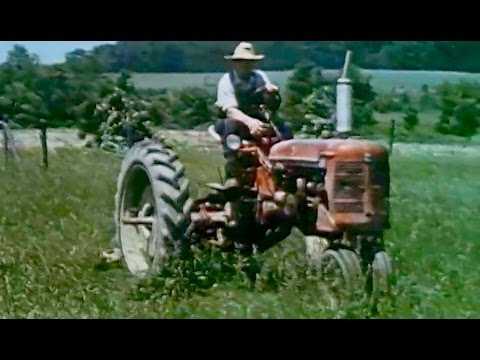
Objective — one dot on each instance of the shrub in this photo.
(410, 120)
(310, 101)
(460, 109)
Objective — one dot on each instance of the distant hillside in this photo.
(207, 56)
(382, 80)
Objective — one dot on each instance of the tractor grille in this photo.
(349, 181)
(380, 176)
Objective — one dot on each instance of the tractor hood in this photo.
(312, 150)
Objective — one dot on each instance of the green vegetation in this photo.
(58, 223)
(71, 94)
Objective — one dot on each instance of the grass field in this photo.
(55, 224)
(382, 80)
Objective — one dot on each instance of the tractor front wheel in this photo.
(341, 269)
(380, 277)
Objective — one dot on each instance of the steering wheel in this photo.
(271, 99)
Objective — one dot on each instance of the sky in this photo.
(49, 51)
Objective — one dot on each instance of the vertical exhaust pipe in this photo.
(344, 100)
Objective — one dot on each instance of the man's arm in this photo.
(254, 125)
(228, 103)
(235, 113)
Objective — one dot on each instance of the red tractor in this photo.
(335, 191)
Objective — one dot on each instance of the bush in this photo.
(443, 126)
(386, 103)
(192, 107)
(428, 100)
(123, 119)
(467, 119)
(310, 101)
(460, 109)
(362, 115)
(410, 120)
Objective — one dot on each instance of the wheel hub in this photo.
(137, 231)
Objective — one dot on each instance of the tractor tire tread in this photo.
(169, 185)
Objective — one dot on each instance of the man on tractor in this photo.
(241, 94)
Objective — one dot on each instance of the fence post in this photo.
(5, 143)
(43, 141)
(392, 135)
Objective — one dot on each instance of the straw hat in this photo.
(244, 51)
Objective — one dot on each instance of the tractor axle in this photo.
(138, 220)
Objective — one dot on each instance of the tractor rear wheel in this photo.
(152, 207)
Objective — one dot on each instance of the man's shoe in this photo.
(230, 183)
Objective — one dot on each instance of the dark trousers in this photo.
(225, 127)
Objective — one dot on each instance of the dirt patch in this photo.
(56, 138)
(190, 137)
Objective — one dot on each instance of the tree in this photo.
(124, 82)
(300, 85)
(20, 58)
(75, 57)
(21, 65)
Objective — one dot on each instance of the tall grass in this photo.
(54, 225)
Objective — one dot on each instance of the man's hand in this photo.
(255, 126)
(271, 88)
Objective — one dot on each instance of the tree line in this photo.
(207, 56)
